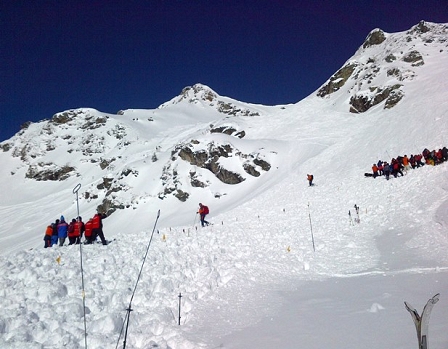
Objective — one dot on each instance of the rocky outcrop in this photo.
(337, 80)
(49, 172)
(375, 37)
(210, 157)
(375, 74)
(414, 57)
(228, 130)
(360, 103)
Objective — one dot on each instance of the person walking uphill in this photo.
(203, 211)
(310, 178)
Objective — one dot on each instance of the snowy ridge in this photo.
(252, 279)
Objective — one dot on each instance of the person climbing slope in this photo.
(310, 178)
(203, 211)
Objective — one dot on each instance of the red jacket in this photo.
(88, 228)
(78, 229)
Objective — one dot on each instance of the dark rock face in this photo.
(361, 103)
(375, 37)
(210, 157)
(420, 28)
(415, 58)
(49, 172)
(337, 80)
(210, 161)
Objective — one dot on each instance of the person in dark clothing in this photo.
(54, 236)
(444, 154)
(396, 168)
(386, 170)
(380, 167)
(310, 178)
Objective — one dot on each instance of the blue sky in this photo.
(112, 55)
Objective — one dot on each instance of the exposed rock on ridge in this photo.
(393, 58)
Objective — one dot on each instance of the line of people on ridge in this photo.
(57, 232)
(401, 163)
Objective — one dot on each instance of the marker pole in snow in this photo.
(311, 227)
(422, 322)
(129, 309)
(180, 296)
(75, 191)
(357, 219)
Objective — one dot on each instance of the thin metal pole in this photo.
(75, 191)
(311, 227)
(138, 279)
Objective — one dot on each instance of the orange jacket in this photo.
(49, 231)
(375, 168)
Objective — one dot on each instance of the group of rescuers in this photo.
(57, 232)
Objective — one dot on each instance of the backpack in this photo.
(206, 211)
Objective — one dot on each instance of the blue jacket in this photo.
(62, 229)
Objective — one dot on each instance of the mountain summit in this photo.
(377, 73)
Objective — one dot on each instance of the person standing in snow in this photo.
(380, 167)
(406, 164)
(54, 237)
(375, 170)
(79, 229)
(88, 232)
(62, 231)
(97, 227)
(71, 232)
(48, 235)
(386, 169)
(203, 211)
(310, 178)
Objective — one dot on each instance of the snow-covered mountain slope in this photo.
(248, 163)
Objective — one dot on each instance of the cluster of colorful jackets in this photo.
(75, 229)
